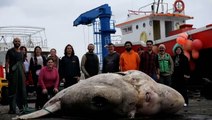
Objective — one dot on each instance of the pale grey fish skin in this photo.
(154, 97)
(121, 95)
(129, 93)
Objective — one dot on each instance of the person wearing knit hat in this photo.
(162, 46)
(166, 65)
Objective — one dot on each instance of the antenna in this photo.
(158, 6)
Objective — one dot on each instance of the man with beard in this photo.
(90, 62)
(149, 62)
(129, 59)
(14, 69)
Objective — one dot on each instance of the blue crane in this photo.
(103, 13)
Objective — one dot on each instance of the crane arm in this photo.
(89, 16)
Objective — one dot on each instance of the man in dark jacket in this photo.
(16, 78)
(90, 62)
(111, 60)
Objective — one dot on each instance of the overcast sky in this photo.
(57, 17)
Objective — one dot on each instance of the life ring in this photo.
(179, 6)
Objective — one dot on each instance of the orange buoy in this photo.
(184, 35)
(195, 54)
(197, 44)
(188, 45)
(181, 40)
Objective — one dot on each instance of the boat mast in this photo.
(158, 6)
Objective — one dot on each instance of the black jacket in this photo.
(69, 67)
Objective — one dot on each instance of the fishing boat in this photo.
(160, 23)
(168, 26)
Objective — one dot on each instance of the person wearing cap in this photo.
(166, 65)
(111, 60)
(129, 59)
(149, 62)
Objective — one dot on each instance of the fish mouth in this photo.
(148, 96)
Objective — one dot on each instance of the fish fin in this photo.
(44, 111)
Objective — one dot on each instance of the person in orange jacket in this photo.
(129, 59)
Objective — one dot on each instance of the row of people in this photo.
(47, 72)
(43, 73)
(17, 69)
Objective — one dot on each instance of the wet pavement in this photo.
(199, 108)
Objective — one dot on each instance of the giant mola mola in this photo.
(154, 97)
(123, 94)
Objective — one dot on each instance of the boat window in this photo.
(136, 27)
(156, 29)
(177, 25)
(150, 23)
(168, 27)
(144, 25)
(126, 30)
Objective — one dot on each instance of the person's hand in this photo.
(158, 76)
(186, 77)
(77, 77)
(44, 91)
(55, 90)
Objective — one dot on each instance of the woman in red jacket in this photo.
(48, 82)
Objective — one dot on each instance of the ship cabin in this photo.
(157, 24)
(163, 26)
